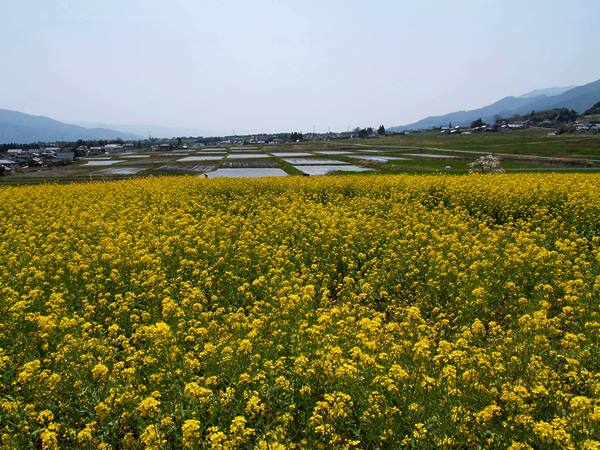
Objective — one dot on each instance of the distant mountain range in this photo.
(548, 92)
(20, 128)
(579, 98)
(156, 131)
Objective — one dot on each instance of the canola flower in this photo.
(339, 312)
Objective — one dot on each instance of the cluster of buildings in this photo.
(579, 126)
(34, 157)
(503, 125)
(84, 150)
(587, 126)
(466, 130)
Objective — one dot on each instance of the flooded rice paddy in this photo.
(312, 161)
(104, 162)
(247, 173)
(325, 169)
(248, 161)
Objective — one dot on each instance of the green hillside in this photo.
(593, 110)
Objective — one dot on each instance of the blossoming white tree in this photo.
(486, 164)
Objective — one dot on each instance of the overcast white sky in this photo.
(282, 65)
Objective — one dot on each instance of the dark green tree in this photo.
(477, 123)
(295, 136)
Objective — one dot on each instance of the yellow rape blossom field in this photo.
(340, 312)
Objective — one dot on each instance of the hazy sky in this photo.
(282, 65)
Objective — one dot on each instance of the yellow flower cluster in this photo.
(337, 312)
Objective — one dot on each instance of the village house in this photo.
(7, 165)
(113, 148)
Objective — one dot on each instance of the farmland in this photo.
(424, 152)
(335, 312)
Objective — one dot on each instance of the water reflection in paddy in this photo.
(247, 173)
(324, 170)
